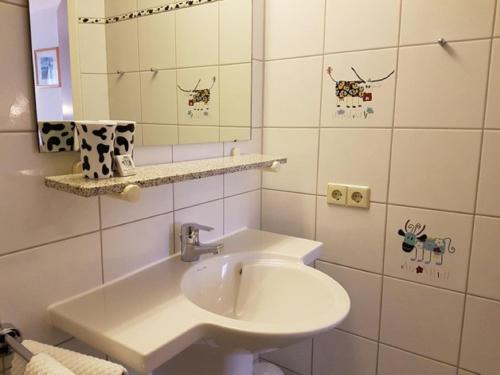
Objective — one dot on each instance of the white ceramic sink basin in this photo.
(258, 295)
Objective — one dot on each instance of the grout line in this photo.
(395, 347)
(48, 243)
(281, 366)
(395, 46)
(388, 186)
(396, 128)
(476, 197)
(99, 204)
(318, 153)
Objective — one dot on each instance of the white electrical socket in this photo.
(336, 194)
(358, 196)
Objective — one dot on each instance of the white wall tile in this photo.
(125, 96)
(152, 155)
(352, 237)
(497, 23)
(157, 41)
(374, 65)
(288, 213)
(364, 290)
(488, 200)
(159, 97)
(202, 49)
(235, 33)
(433, 85)
(421, 319)
(143, 4)
(154, 201)
(423, 265)
(242, 211)
(32, 280)
(235, 94)
(492, 119)
(194, 152)
(157, 135)
(95, 96)
(258, 9)
(294, 28)
(131, 246)
(340, 353)
(122, 46)
(376, 24)
(92, 48)
(435, 168)
(16, 92)
(393, 361)
(463, 372)
(296, 357)
(292, 92)
(94, 8)
(481, 336)
(190, 193)
(355, 157)
(484, 278)
(428, 20)
(257, 93)
(300, 147)
(241, 182)
(117, 7)
(31, 213)
(210, 214)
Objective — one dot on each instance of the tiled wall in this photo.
(429, 149)
(54, 245)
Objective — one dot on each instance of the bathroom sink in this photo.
(258, 295)
(264, 300)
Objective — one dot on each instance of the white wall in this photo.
(54, 245)
(429, 153)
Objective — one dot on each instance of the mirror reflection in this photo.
(181, 70)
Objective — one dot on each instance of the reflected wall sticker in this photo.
(198, 100)
(355, 98)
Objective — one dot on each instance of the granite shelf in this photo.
(162, 174)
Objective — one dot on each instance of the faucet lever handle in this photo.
(191, 227)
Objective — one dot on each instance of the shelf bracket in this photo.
(131, 193)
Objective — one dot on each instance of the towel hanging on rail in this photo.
(76, 363)
(43, 364)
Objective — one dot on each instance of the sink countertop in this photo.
(143, 319)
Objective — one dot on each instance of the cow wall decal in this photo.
(198, 100)
(355, 97)
(416, 239)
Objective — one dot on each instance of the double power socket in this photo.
(348, 195)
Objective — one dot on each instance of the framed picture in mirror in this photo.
(47, 69)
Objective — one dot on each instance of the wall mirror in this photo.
(183, 71)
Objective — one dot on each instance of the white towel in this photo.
(44, 364)
(77, 363)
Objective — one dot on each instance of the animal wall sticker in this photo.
(424, 247)
(355, 98)
(198, 100)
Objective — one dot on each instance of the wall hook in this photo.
(442, 42)
(120, 72)
(155, 70)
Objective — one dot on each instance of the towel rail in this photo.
(11, 341)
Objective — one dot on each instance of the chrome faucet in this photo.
(191, 247)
